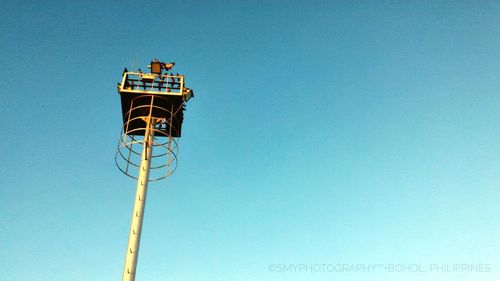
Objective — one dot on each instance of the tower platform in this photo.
(166, 95)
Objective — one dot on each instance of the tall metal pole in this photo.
(134, 237)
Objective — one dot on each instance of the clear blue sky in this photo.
(322, 132)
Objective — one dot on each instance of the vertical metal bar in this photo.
(140, 201)
(126, 136)
(169, 150)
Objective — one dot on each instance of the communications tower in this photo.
(153, 105)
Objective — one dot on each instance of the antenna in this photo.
(153, 107)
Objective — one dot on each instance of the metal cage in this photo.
(166, 128)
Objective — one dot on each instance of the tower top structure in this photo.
(170, 89)
(159, 97)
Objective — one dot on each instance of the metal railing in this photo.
(153, 83)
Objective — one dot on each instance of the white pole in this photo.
(134, 237)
